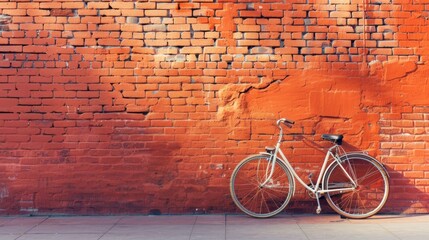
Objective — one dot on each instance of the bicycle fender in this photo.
(356, 154)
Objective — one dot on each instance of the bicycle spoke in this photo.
(368, 175)
(352, 171)
(263, 203)
(345, 200)
(370, 193)
(253, 198)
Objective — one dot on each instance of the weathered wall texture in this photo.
(147, 106)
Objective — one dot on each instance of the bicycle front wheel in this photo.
(255, 199)
(364, 198)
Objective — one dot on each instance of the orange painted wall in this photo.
(146, 106)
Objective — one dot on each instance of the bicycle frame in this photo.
(315, 189)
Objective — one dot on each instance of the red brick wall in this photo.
(147, 106)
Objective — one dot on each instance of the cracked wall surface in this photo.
(146, 106)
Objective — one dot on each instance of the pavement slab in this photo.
(214, 227)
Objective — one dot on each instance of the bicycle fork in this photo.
(269, 171)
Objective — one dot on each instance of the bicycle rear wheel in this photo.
(254, 199)
(370, 193)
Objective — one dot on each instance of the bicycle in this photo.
(354, 184)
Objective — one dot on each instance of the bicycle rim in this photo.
(254, 199)
(370, 194)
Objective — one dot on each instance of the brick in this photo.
(109, 27)
(201, 27)
(131, 28)
(248, 42)
(218, 50)
(62, 12)
(155, 28)
(388, 44)
(272, 13)
(98, 5)
(108, 42)
(29, 5)
(249, 28)
(181, 13)
(182, 42)
(132, 13)
(191, 50)
(251, 13)
(167, 6)
(10, 48)
(110, 12)
(73, 5)
(156, 13)
(202, 42)
(179, 27)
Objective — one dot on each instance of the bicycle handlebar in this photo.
(285, 121)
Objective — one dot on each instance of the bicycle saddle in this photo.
(338, 139)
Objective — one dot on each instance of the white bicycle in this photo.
(354, 184)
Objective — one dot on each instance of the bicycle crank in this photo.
(319, 209)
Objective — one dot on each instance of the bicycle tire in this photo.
(257, 201)
(371, 192)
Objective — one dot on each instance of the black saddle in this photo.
(337, 139)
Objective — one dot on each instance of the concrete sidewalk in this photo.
(214, 227)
